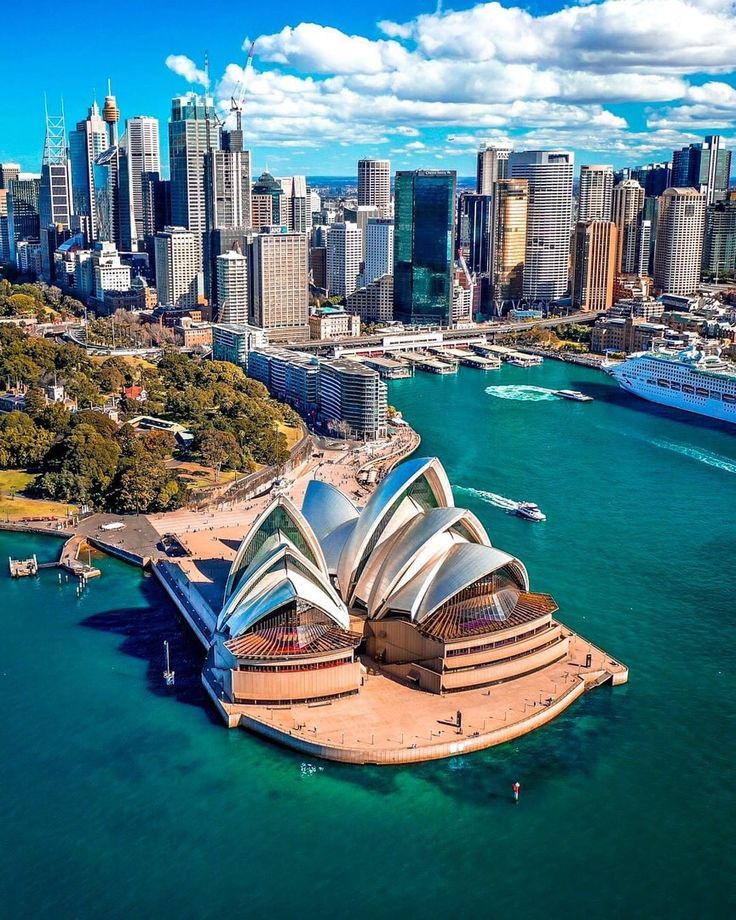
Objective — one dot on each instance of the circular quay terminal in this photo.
(390, 633)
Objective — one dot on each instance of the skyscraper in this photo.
(374, 185)
(344, 256)
(677, 259)
(594, 265)
(233, 300)
(492, 165)
(379, 248)
(628, 202)
(424, 246)
(705, 167)
(8, 172)
(280, 285)
(86, 143)
(296, 203)
(178, 267)
(143, 160)
(473, 236)
(549, 221)
(193, 131)
(596, 188)
(23, 219)
(509, 244)
(55, 193)
(267, 203)
(719, 245)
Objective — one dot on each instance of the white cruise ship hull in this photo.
(679, 387)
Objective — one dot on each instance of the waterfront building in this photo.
(379, 249)
(374, 185)
(55, 190)
(624, 334)
(280, 285)
(333, 323)
(233, 295)
(424, 246)
(594, 264)
(344, 257)
(596, 190)
(509, 244)
(86, 143)
(628, 202)
(352, 395)
(373, 303)
(492, 164)
(549, 174)
(705, 167)
(719, 244)
(290, 376)
(234, 342)
(678, 256)
(178, 272)
(143, 162)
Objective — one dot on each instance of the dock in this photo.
(423, 361)
(22, 568)
(70, 560)
(467, 358)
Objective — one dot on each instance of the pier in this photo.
(429, 363)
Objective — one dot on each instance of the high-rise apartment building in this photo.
(344, 257)
(353, 394)
(108, 272)
(594, 264)
(23, 205)
(55, 190)
(374, 185)
(424, 246)
(363, 214)
(705, 167)
(193, 132)
(178, 267)
(549, 221)
(379, 248)
(719, 244)
(678, 255)
(280, 285)
(596, 188)
(143, 161)
(233, 297)
(86, 143)
(628, 203)
(373, 303)
(509, 245)
(492, 165)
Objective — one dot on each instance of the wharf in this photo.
(480, 362)
(21, 568)
(426, 362)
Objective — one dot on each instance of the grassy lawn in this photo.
(293, 435)
(14, 505)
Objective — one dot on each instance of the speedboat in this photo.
(573, 394)
(529, 511)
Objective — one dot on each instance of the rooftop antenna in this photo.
(207, 73)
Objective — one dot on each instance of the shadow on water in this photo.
(144, 630)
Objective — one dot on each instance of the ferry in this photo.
(573, 394)
(529, 511)
(689, 380)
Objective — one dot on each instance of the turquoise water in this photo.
(120, 796)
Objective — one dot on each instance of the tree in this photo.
(219, 448)
(81, 466)
(22, 442)
(109, 378)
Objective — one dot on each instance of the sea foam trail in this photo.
(521, 393)
(499, 501)
(702, 456)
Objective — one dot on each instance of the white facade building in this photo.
(143, 156)
(374, 185)
(109, 273)
(379, 249)
(679, 246)
(549, 220)
(344, 255)
(233, 300)
(628, 202)
(596, 190)
(178, 271)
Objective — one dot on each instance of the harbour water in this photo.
(122, 796)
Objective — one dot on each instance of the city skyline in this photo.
(619, 81)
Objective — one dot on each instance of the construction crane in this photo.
(238, 100)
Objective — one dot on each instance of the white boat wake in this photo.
(702, 456)
(499, 501)
(521, 393)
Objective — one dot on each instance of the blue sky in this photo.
(619, 81)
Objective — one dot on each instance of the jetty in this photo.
(70, 560)
(21, 568)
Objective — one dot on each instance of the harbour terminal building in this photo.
(410, 581)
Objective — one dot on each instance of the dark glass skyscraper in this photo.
(424, 245)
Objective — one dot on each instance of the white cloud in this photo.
(186, 68)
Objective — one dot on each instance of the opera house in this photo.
(409, 586)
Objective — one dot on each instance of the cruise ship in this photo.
(689, 380)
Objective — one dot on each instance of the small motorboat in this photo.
(529, 511)
(573, 394)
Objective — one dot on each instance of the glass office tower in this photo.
(424, 246)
